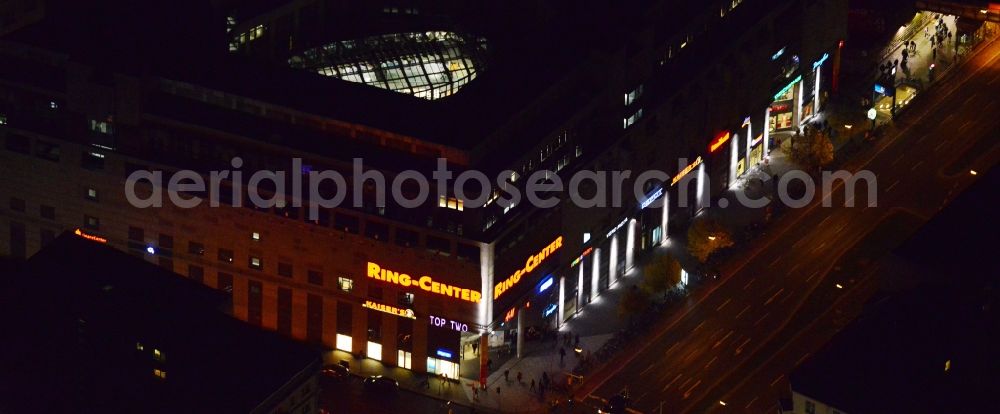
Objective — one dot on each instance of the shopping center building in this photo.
(579, 87)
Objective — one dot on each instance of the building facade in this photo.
(412, 287)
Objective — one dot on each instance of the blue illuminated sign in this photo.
(879, 89)
(650, 198)
(778, 54)
(444, 353)
(787, 87)
(819, 62)
(547, 283)
(549, 310)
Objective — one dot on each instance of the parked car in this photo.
(336, 372)
(380, 383)
(615, 405)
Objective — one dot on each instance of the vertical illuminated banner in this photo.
(613, 260)
(562, 301)
(767, 130)
(579, 289)
(816, 91)
(734, 154)
(630, 245)
(665, 216)
(595, 277)
(746, 123)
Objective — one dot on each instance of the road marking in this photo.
(967, 100)
(842, 227)
(761, 319)
(748, 284)
(819, 247)
(647, 369)
(796, 245)
(775, 261)
(739, 348)
(965, 125)
(893, 185)
(747, 407)
(719, 342)
(824, 220)
(802, 359)
(812, 275)
(699, 326)
(688, 392)
(710, 362)
(917, 165)
(742, 312)
(939, 146)
(770, 299)
(671, 347)
(776, 380)
(723, 304)
(671, 383)
(792, 270)
(898, 159)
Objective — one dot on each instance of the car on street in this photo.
(615, 405)
(380, 383)
(336, 372)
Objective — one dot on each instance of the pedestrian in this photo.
(562, 354)
(475, 348)
(577, 344)
(934, 53)
(519, 377)
(532, 387)
(506, 375)
(475, 393)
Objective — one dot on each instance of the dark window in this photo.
(18, 241)
(404, 334)
(255, 303)
(407, 238)
(18, 143)
(91, 222)
(344, 318)
(345, 223)
(47, 212)
(92, 161)
(225, 283)
(315, 277)
(439, 245)
(405, 298)
(166, 262)
(17, 204)
(225, 255)
(375, 292)
(374, 326)
(468, 252)
(135, 234)
(314, 318)
(284, 269)
(196, 273)
(377, 231)
(166, 241)
(196, 248)
(285, 310)
(322, 218)
(47, 236)
(47, 151)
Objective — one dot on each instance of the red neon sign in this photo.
(90, 236)
(718, 141)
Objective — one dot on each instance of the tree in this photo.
(706, 236)
(661, 274)
(812, 150)
(633, 302)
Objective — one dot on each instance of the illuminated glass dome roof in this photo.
(429, 65)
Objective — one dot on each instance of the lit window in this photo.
(161, 374)
(374, 350)
(633, 95)
(255, 263)
(632, 119)
(406, 298)
(344, 343)
(158, 355)
(102, 127)
(3, 119)
(255, 236)
(92, 194)
(451, 202)
(404, 359)
(345, 284)
(139, 347)
(53, 105)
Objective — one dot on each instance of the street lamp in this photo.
(973, 172)
(712, 238)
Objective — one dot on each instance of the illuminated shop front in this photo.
(782, 111)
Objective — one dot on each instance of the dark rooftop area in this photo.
(893, 358)
(78, 312)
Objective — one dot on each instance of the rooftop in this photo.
(85, 323)
(931, 349)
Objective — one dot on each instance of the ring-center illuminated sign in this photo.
(529, 265)
(424, 282)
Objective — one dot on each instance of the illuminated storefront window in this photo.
(442, 367)
(429, 65)
(374, 350)
(403, 359)
(345, 343)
